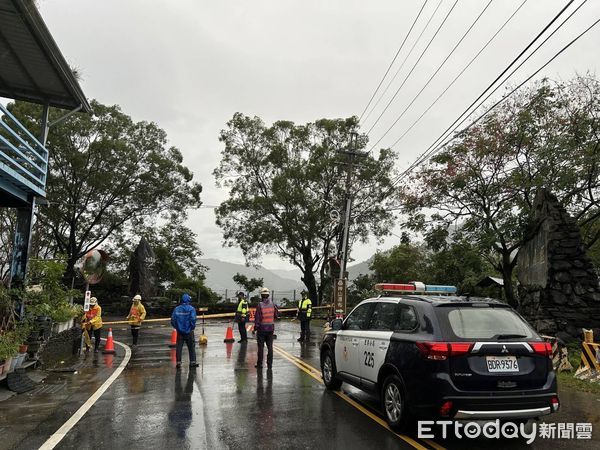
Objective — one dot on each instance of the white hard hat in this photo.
(137, 297)
(93, 301)
(264, 291)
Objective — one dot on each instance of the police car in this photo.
(428, 353)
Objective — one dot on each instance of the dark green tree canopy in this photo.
(284, 180)
(250, 284)
(486, 180)
(106, 171)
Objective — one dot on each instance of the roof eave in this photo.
(42, 35)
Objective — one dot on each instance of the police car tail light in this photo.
(542, 348)
(555, 404)
(446, 408)
(440, 351)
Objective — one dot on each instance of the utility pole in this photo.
(352, 153)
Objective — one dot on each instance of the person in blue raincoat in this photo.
(183, 320)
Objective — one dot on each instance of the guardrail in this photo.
(23, 158)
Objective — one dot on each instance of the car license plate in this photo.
(502, 363)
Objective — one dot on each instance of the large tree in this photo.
(487, 178)
(106, 171)
(283, 182)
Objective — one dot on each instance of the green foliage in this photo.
(400, 264)
(249, 284)
(9, 344)
(50, 297)
(454, 262)
(360, 289)
(283, 180)
(106, 172)
(486, 179)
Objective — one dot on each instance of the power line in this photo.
(459, 74)
(393, 60)
(433, 75)
(414, 66)
(405, 59)
(425, 156)
(431, 150)
(487, 111)
(513, 62)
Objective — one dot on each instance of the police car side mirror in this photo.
(336, 324)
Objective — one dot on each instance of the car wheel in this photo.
(329, 372)
(393, 403)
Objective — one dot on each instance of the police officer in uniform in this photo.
(264, 324)
(241, 316)
(304, 314)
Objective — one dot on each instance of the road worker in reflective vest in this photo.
(92, 322)
(264, 324)
(304, 314)
(137, 314)
(241, 316)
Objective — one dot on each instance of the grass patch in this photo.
(567, 379)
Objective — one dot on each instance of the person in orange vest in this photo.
(264, 324)
(137, 314)
(92, 322)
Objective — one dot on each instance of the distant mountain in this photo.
(219, 278)
(292, 274)
(359, 269)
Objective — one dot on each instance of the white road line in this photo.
(62, 431)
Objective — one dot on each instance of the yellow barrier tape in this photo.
(206, 316)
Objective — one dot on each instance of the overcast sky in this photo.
(189, 65)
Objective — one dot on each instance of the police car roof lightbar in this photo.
(415, 287)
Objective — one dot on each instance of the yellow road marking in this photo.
(312, 371)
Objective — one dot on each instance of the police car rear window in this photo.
(486, 323)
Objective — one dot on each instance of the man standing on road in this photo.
(264, 324)
(241, 316)
(304, 313)
(137, 314)
(183, 320)
(92, 322)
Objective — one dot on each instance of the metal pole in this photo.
(344, 261)
(87, 288)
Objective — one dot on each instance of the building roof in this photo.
(32, 68)
(491, 281)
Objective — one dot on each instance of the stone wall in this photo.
(559, 288)
(59, 347)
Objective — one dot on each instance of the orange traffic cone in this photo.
(109, 347)
(173, 343)
(229, 334)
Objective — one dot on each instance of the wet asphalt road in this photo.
(224, 403)
(227, 403)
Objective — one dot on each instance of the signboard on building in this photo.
(339, 299)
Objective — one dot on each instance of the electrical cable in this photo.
(414, 66)
(432, 150)
(514, 61)
(520, 85)
(393, 60)
(433, 75)
(456, 78)
(543, 66)
(405, 59)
